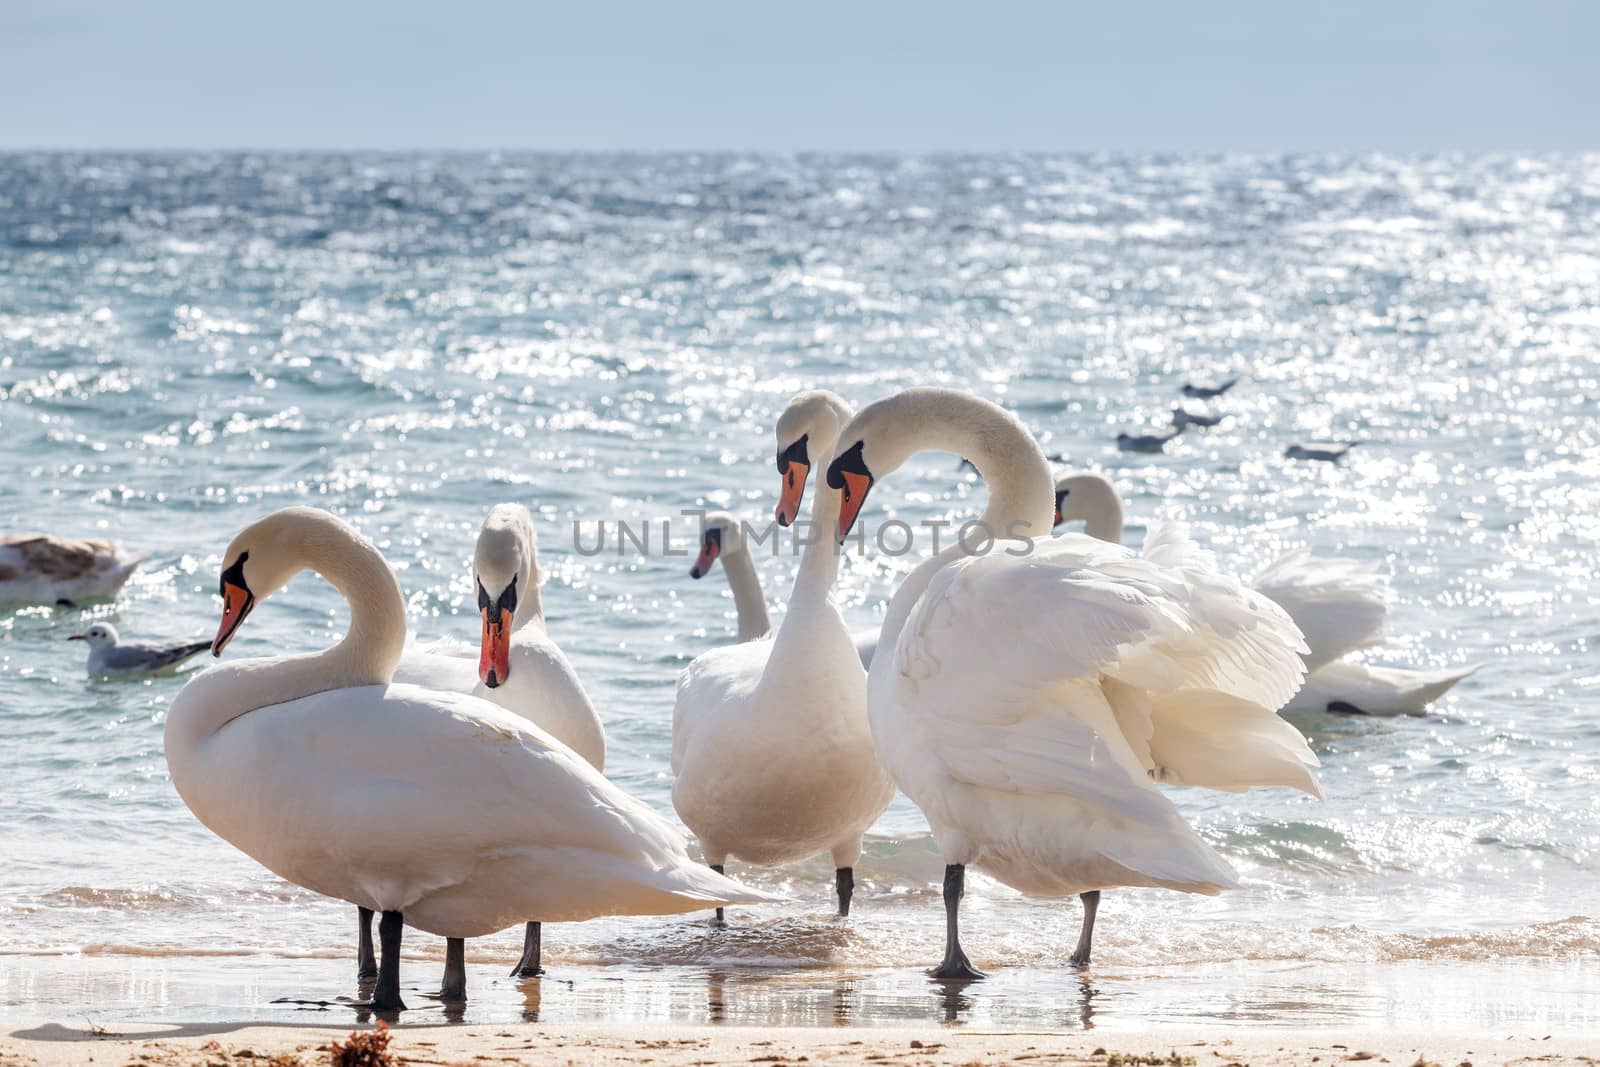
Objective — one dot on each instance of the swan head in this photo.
(807, 430)
(505, 572)
(100, 635)
(1091, 498)
(264, 556)
(721, 534)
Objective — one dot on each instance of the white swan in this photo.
(722, 536)
(1029, 700)
(1338, 604)
(515, 665)
(45, 569)
(438, 807)
(772, 756)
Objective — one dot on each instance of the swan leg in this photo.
(955, 967)
(454, 986)
(366, 962)
(720, 920)
(386, 997)
(528, 966)
(1091, 904)
(845, 880)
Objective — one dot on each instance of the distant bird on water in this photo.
(110, 658)
(1323, 451)
(1144, 442)
(1182, 416)
(1208, 392)
(45, 569)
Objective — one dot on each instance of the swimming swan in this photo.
(1338, 604)
(1029, 700)
(432, 808)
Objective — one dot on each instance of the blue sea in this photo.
(189, 341)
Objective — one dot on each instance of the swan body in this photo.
(1338, 604)
(44, 569)
(1029, 700)
(771, 752)
(440, 807)
(539, 683)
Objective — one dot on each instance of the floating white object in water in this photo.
(110, 658)
(1323, 451)
(45, 569)
(1182, 416)
(1207, 392)
(1145, 442)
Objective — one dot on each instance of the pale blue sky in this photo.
(811, 74)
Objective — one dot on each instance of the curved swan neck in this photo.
(377, 636)
(1011, 463)
(748, 600)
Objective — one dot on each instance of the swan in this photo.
(516, 665)
(109, 657)
(436, 809)
(1030, 699)
(723, 537)
(1338, 604)
(45, 569)
(771, 754)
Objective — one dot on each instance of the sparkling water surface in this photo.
(190, 341)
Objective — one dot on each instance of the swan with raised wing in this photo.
(435, 809)
(1030, 699)
(515, 665)
(1338, 604)
(771, 753)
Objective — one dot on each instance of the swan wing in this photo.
(1339, 604)
(721, 681)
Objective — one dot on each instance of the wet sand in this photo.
(665, 1046)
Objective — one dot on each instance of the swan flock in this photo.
(1035, 705)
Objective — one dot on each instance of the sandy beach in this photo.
(56, 1043)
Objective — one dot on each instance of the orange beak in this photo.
(1057, 520)
(856, 487)
(494, 662)
(77, 637)
(794, 487)
(710, 549)
(236, 604)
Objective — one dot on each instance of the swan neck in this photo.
(1106, 524)
(748, 600)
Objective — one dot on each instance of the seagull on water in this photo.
(1325, 451)
(110, 658)
(1208, 392)
(1144, 442)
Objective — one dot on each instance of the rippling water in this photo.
(187, 342)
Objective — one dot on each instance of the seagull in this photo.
(1144, 442)
(1207, 392)
(1326, 451)
(109, 658)
(1182, 416)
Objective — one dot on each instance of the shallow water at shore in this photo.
(1524, 997)
(187, 342)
